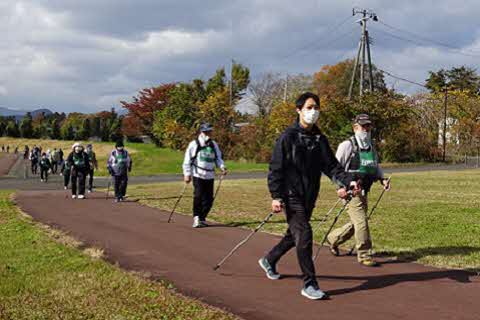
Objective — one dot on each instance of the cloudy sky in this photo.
(71, 55)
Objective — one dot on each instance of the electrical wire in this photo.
(443, 44)
(400, 78)
(391, 35)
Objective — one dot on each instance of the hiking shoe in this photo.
(81, 196)
(89, 190)
(313, 293)
(203, 223)
(269, 270)
(74, 196)
(117, 200)
(368, 262)
(196, 222)
(65, 188)
(334, 251)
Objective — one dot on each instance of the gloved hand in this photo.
(110, 170)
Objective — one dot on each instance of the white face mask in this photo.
(310, 116)
(364, 139)
(78, 149)
(205, 137)
(120, 149)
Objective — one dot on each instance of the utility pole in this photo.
(444, 138)
(231, 82)
(285, 90)
(363, 53)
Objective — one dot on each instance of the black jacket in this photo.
(298, 161)
(82, 166)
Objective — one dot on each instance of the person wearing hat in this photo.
(300, 156)
(78, 163)
(201, 158)
(359, 157)
(92, 158)
(119, 164)
(45, 165)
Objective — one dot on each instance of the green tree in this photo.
(458, 78)
(26, 126)
(12, 129)
(85, 130)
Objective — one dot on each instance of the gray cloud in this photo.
(87, 55)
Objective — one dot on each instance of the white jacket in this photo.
(204, 165)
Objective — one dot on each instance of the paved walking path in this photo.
(138, 238)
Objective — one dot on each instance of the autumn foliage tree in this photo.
(144, 106)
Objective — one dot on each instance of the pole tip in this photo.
(216, 268)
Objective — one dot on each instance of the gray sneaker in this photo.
(313, 293)
(269, 270)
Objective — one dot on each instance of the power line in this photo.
(400, 78)
(439, 43)
(391, 35)
(332, 41)
(328, 32)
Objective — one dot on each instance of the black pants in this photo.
(120, 185)
(79, 176)
(90, 179)
(202, 197)
(34, 167)
(44, 173)
(299, 235)
(66, 178)
(54, 167)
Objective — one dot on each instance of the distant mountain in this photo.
(19, 114)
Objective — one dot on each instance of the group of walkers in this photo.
(47, 162)
(7, 149)
(300, 156)
(79, 165)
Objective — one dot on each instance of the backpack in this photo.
(200, 148)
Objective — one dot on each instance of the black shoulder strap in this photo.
(354, 151)
(197, 150)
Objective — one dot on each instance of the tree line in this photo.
(407, 127)
(103, 126)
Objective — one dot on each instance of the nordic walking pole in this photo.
(326, 216)
(332, 225)
(371, 212)
(218, 187)
(108, 187)
(241, 243)
(178, 201)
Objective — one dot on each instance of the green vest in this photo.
(121, 160)
(78, 160)
(368, 163)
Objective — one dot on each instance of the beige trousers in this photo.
(358, 226)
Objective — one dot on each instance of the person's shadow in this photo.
(383, 281)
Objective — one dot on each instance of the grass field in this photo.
(429, 217)
(147, 158)
(43, 279)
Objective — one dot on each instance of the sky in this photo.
(86, 56)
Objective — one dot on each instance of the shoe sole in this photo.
(266, 271)
(313, 298)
